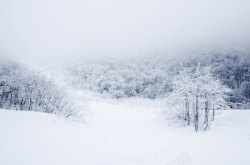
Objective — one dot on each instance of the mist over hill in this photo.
(53, 33)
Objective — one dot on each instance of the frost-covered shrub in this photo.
(29, 90)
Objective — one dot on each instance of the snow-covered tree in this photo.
(199, 92)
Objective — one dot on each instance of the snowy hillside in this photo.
(133, 82)
(121, 133)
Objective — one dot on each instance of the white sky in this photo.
(60, 30)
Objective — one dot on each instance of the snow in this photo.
(126, 132)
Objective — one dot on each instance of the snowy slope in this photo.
(118, 133)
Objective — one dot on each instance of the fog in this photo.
(54, 32)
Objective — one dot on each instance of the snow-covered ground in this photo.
(121, 133)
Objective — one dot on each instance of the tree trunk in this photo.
(196, 115)
(213, 115)
(206, 121)
(187, 113)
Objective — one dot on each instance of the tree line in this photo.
(152, 77)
